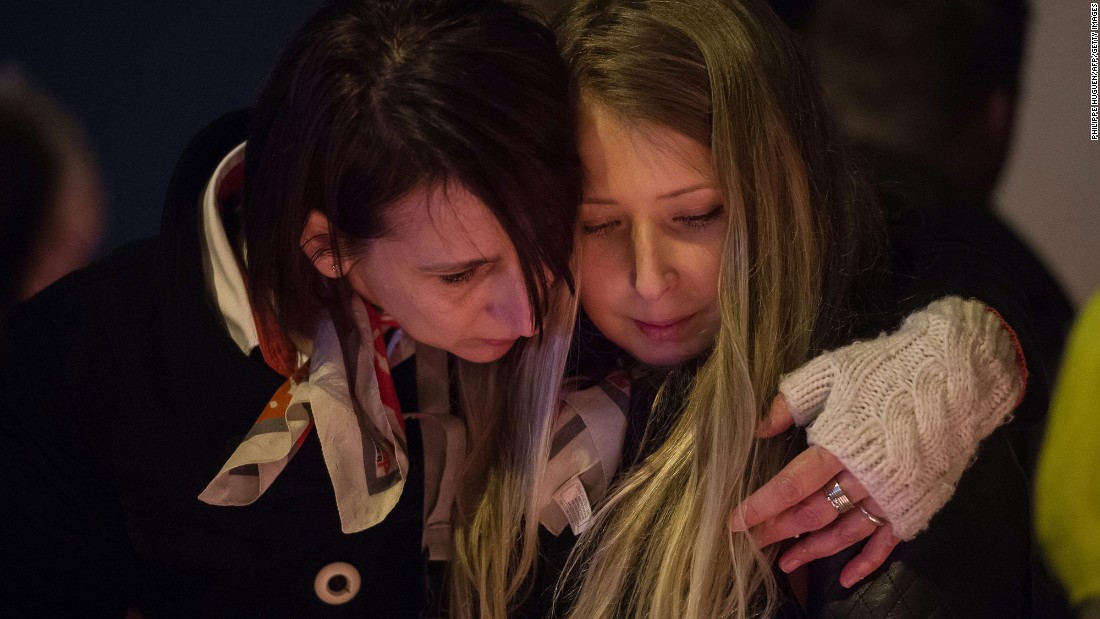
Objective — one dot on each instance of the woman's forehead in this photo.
(640, 156)
(446, 223)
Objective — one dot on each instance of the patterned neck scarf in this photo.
(358, 422)
(362, 435)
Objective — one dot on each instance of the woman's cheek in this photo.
(601, 276)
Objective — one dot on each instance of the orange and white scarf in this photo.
(368, 475)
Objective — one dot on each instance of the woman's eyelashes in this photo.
(597, 227)
(457, 279)
(703, 220)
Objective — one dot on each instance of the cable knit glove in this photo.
(905, 412)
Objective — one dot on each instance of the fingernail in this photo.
(848, 581)
(789, 565)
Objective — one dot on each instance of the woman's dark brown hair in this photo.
(374, 99)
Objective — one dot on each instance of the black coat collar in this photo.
(209, 374)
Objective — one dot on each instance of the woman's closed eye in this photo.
(457, 279)
(598, 228)
(702, 220)
(459, 272)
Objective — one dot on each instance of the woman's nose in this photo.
(513, 306)
(653, 271)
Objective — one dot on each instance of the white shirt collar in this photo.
(224, 282)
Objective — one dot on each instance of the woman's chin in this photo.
(484, 351)
(661, 356)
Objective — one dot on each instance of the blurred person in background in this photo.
(927, 93)
(52, 203)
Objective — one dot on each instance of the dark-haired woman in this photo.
(217, 421)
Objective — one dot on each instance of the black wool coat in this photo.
(122, 397)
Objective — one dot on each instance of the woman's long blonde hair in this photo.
(725, 73)
(509, 408)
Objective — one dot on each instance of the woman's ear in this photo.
(316, 242)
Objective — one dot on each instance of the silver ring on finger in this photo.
(840, 501)
(875, 520)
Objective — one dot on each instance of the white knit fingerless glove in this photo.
(905, 412)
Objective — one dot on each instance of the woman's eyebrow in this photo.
(689, 189)
(664, 196)
(455, 267)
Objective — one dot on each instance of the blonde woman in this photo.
(724, 241)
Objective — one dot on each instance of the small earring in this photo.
(334, 269)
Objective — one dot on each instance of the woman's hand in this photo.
(794, 503)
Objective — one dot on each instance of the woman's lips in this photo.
(664, 330)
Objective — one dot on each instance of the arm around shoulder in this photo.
(905, 412)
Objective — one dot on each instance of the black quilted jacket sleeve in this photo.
(973, 561)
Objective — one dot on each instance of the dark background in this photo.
(143, 77)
